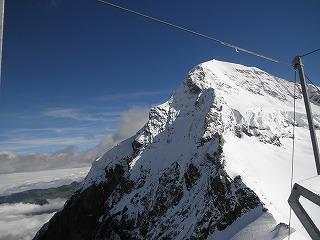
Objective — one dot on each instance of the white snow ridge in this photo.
(213, 162)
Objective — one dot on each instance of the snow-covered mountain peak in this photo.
(200, 167)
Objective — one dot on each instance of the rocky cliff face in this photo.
(171, 180)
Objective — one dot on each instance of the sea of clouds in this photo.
(21, 221)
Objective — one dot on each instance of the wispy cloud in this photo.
(50, 141)
(27, 140)
(132, 95)
(82, 115)
(130, 122)
(71, 113)
(34, 131)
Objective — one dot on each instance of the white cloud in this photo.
(20, 131)
(130, 122)
(52, 141)
(22, 221)
(71, 113)
(28, 140)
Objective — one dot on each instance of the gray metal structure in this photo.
(308, 224)
(299, 190)
(1, 33)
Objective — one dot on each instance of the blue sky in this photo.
(72, 67)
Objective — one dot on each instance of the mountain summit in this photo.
(213, 162)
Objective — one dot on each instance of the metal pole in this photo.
(297, 63)
(1, 33)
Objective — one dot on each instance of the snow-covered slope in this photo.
(213, 162)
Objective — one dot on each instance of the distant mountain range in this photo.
(40, 196)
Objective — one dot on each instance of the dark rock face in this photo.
(226, 201)
(79, 217)
(193, 88)
(191, 176)
(167, 195)
(87, 214)
(136, 145)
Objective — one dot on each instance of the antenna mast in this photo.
(306, 189)
(297, 64)
(1, 33)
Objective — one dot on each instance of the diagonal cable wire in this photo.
(318, 90)
(237, 48)
(293, 145)
(311, 52)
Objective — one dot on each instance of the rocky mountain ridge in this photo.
(173, 179)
